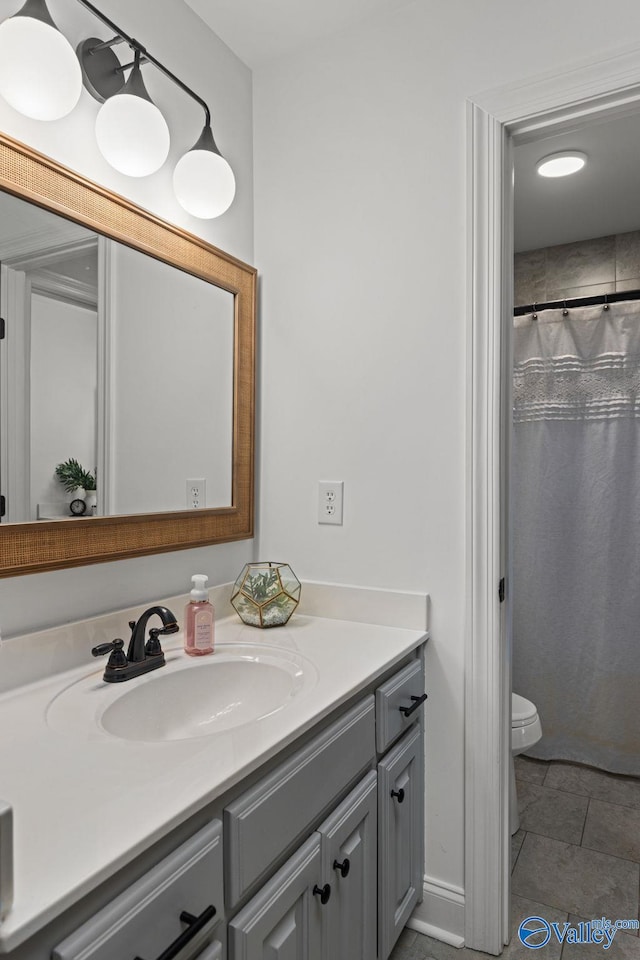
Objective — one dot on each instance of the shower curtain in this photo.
(576, 531)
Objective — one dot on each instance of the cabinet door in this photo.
(400, 836)
(349, 842)
(283, 920)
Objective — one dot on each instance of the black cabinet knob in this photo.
(343, 867)
(323, 892)
(399, 794)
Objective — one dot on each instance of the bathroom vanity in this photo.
(285, 822)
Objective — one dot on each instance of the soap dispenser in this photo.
(198, 619)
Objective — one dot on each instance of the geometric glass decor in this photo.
(266, 594)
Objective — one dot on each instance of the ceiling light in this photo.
(561, 164)
(132, 134)
(203, 181)
(39, 72)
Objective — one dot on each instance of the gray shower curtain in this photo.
(576, 531)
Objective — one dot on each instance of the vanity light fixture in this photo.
(132, 134)
(40, 75)
(561, 164)
(196, 173)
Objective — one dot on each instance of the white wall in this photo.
(361, 239)
(177, 37)
(173, 385)
(63, 394)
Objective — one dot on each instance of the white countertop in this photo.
(86, 803)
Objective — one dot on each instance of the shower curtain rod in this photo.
(604, 298)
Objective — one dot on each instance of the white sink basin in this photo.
(187, 698)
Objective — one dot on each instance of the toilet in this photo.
(526, 730)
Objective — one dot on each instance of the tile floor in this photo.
(575, 857)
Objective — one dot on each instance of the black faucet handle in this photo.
(117, 658)
(152, 647)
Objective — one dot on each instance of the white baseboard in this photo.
(441, 913)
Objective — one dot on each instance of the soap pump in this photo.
(198, 619)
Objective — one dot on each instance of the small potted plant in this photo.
(78, 481)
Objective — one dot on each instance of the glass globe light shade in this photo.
(40, 74)
(132, 135)
(203, 181)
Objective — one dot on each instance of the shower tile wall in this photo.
(582, 269)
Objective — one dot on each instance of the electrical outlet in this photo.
(330, 496)
(196, 494)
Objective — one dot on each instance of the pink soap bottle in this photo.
(198, 619)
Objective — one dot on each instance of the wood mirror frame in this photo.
(50, 545)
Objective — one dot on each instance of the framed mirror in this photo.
(169, 391)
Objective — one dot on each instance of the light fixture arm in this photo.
(138, 60)
(138, 47)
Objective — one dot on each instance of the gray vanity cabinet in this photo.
(400, 836)
(283, 807)
(283, 921)
(322, 856)
(321, 905)
(349, 844)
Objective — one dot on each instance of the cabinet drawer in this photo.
(266, 820)
(391, 696)
(145, 919)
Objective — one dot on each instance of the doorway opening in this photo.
(498, 121)
(574, 522)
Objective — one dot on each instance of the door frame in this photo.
(552, 103)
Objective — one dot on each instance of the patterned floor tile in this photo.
(551, 813)
(527, 768)
(594, 783)
(521, 909)
(623, 947)
(575, 879)
(613, 829)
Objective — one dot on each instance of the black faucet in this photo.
(142, 655)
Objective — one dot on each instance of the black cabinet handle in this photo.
(399, 794)
(323, 892)
(407, 711)
(343, 867)
(196, 924)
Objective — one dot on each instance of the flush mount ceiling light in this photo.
(40, 75)
(561, 164)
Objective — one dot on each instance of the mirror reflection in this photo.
(117, 371)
